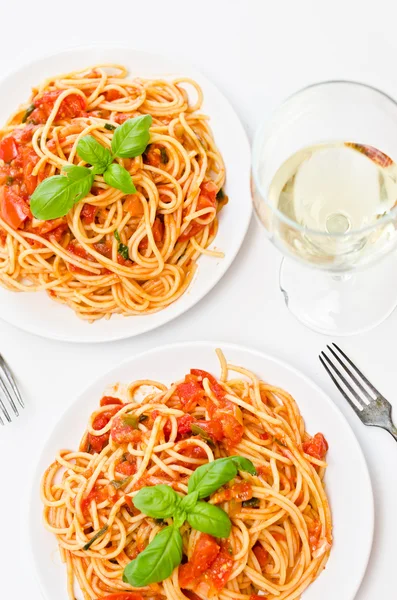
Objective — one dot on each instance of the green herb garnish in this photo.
(9, 180)
(164, 156)
(57, 195)
(143, 418)
(131, 420)
(118, 483)
(109, 127)
(197, 430)
(122, 248)
(164, 552)
(28, 112)
(220, 195)
(251, 503)
(95, 537)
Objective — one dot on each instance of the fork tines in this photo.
(8, 391)
(361, 391)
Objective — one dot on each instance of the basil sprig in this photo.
(57, 195)
(164, 552)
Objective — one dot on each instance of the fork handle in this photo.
(393, 431)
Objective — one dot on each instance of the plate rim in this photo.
(108, 336)
(210, 345)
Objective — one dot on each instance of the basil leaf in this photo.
(211, 519)
(95, 537)
(94, 153)
(109, 127)
(132, 137)
(56, 195)
(158, 501)
(28, 112)
(131, 420)
(117, 236)
(243, 464)
(118, 177)
(179, 517)
(157, 561)
(189, 501)
(208, 478)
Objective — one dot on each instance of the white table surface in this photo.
(257, 52)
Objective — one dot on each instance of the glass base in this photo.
(344, 304)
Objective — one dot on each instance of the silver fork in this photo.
(8, 391)
(368, 403)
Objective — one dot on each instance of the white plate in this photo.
(347, 479)
(36, 312)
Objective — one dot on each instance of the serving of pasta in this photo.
(110, 189)
(210, 488)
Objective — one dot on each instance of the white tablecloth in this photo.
(257, 52)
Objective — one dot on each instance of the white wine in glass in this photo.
(325, 188)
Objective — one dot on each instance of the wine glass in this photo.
(324, 185)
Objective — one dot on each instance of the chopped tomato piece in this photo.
(106, 400)
(158, 232)
(72, 106)
(88, 213)
(29, 159)
(192, 451)
(213, 429)
(232, 430)
(24, 133)
(189, 392)
(261, 554)
(122, 433)
(220, 570)
(204, 554)
(98, 442)
(239, 491)
(216, 388)
(133, 205)
(257, 597)
(314, 530)
(99, 494)
(122, 117)
(200, 374)
(14, 208)
(264, 436)
(184, 424)
(316, 447)
(111, 95)
(153, 155)
(8, 149)
(126, 468)
(123, 596)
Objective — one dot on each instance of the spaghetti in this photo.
(281, 524)
(162, 228)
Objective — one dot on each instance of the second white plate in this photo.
(347, 480)
(36, 312)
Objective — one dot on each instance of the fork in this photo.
(367, 402)
(8, 391)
